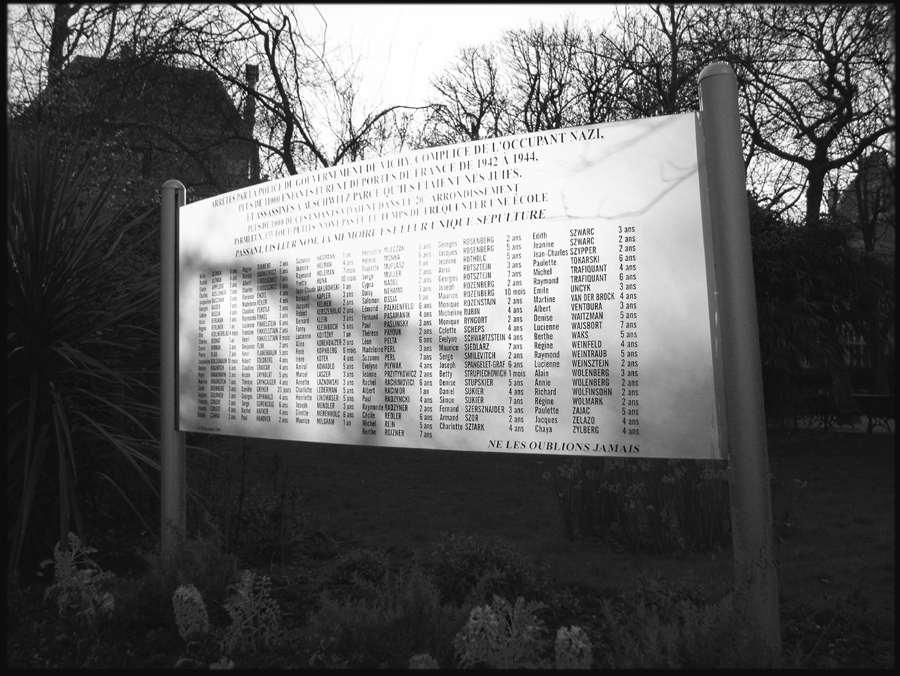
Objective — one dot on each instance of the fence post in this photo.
(756, 583)
(173, 489)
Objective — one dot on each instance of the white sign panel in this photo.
(543, 293)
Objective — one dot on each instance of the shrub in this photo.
(423, 661)
(80, 307)
(78, 586)
(662, 626)
(199, 561)
(260, 519)
(661, 506)
(367, 564)
(255, 616)
(384, 622)
(502, 636)
(786, 497)
(191, 617)
(264, 525)
(572, 649)
(461, 564)
(656, 505)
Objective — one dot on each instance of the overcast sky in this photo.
(401, 46)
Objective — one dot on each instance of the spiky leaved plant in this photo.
(79, 290)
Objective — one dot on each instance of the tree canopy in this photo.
(816, 94)
(816, 81)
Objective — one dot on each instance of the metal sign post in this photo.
(173, 493)
(756, 585)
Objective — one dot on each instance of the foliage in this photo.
(502, 636)
(816, 82)
(812, 115)
(810, 285)
(474, 105)
(190, 612)
(423, 661)
(656, 505)
(833, 609)
(306, 107)
(367, 564)
(383, 622)
(660, 627)
(869, 300)
(260, 519)
(222, 663)
(199, 561)
(263, 526)
(255, 615)
(794, 269)
(803, 277)
(77, 297)
(787, 494)
(661, 506)
(78, 582)
(255, 618)
(506, 639)
(647, 60)
(572, 648)
(459, 563)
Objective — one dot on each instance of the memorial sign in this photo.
(544, 293)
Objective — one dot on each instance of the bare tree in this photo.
(543, 81)
(816, 84)
(547, 77)
(306, 106)
(659, 57)
(44, 38)
(599, 79)
(471, 101)
(308, 112)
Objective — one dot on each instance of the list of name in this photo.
(496, 296)
(516, 331)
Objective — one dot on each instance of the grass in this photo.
(835, 559)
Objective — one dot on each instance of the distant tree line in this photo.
(816, 85)
(816, 81)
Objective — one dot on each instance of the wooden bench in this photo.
(878, 409)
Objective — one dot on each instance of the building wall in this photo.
(162, 122)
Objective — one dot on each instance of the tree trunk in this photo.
(815, 189)
(58, 36)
